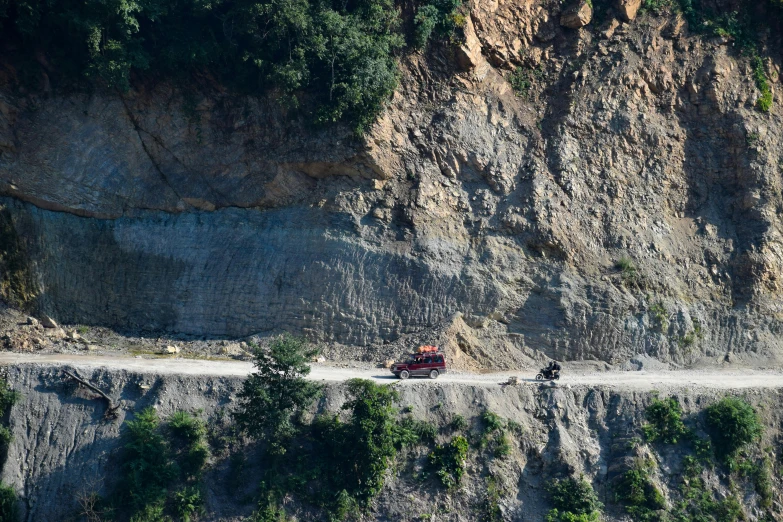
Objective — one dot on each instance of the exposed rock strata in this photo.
(62, 447)
(229, 219)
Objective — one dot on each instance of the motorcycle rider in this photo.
(553, 369)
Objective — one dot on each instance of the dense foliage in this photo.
(440, 16)
(340, 54)
(8, 499)
(161, 468)
(8, 398)
(732, 424)
(147, 466)
(449, 461)
(573, 500)
(665, 421)
(277, 390)
(9, 509)
(368, 439)
(341, 464)
(639, 495)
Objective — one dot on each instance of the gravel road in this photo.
(640, 380)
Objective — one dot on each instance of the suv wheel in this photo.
(434, 374)
(404, 374)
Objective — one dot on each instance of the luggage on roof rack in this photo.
(427, 348)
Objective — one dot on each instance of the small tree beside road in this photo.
(277, 390)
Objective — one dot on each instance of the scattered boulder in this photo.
(576, 16)
(32, 321)
(169, 349)
(55, 333)
(231, 349)
(469, 53)
(48, 322)
(321, 359)
(628, 9)
(388, 363)
(610, 28)
(74, 336)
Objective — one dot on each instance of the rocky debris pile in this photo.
(29, 334)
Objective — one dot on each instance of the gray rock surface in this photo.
(63, 448)
(641, 142)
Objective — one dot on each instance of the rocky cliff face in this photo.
(63, 448)
(634, 138)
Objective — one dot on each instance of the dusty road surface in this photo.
(640, 380)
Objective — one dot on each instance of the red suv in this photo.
(430, 364)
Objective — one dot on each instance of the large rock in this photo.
(469, 53)
(628, 9)
(576, 16)
(48, 322)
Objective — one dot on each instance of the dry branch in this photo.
(111, 408)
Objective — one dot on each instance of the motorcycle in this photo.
(547, 374)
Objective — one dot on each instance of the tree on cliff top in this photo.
(277, 390)
(336, 59)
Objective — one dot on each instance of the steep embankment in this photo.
(210, 213)
(63, 448)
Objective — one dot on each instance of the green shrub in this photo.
(636, 491)
(411, 431)
(520, 82)
(339, 466)
(440, 16)
(449, 461)
(8, 397)
(5, 437)
(730, 510)
(277, 390)
(665, 421)
(188, 503)
(154, 512)
(732, 424)
(764, 102)
(369, 438)
(574, 500)
(660, 316)
(426, 19)
(187, 426)
(9, 506)
(147, 467)
(458, 423)
(268, 513)
(502, 446)
(492, 422)
(189, 442)
(628, 271)
(656, 5)
(515, 427)
(490, 509)
(195, 459)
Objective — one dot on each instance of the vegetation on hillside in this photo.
(573, 500)
(337, 60)
(277, 391)
(732, 425)
(8, 498)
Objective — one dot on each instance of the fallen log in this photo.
(111, 408)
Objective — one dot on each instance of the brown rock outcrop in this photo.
(628, 9)
(577, 16)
